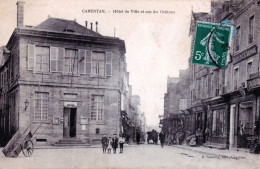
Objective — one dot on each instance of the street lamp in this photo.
(26, 104)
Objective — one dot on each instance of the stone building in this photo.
(226, 100)
(4, 108)
(65, 76)
(176, 100)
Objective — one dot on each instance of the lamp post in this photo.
(26, 104)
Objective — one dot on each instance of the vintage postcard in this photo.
(127, 84)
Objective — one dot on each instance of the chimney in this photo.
(86, 23)
(91, 25)
(97, 26)
(20, 14)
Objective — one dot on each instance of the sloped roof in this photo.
(62, 25)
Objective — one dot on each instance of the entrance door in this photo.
(69, 128)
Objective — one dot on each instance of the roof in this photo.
(62, 25)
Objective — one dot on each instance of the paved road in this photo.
(135, 156)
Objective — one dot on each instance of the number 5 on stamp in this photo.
(211, 44)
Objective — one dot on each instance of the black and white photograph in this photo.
(129, 84)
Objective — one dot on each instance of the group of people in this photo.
(109, 143)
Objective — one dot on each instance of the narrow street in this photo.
(134, 156)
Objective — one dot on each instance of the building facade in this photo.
(229, 103)
(65, 76)
(224, 109)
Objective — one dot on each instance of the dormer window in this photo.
(68, 30)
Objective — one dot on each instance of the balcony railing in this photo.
(254, 75)
(253, 81)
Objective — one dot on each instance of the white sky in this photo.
(157, 45)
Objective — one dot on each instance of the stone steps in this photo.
(70, 142)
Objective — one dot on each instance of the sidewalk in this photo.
(217, 152)
(73, 147)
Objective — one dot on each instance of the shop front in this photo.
(243, 121)
(216, 132)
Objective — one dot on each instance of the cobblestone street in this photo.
(134, 156)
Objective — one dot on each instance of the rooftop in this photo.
(63, 25)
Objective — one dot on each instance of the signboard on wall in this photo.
(70, 104)
(84, 120)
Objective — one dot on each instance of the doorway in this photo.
(70, 121)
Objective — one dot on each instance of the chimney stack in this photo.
(91, 25)
(86, 23)
(20, 14)
(97, 26)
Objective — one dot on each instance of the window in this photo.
(41, 106)
(42, 57)
(57, 55)
(109, 64)
(71, 61)
(237, 39)
(98, 63)
(219, 123)
(84, 61)
(249, 69)
(251, 30)
(97, 108)
(235, 78)
(206, 87)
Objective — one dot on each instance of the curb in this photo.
(211, 154)
(75, 147)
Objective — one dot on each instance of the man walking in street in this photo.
(162, 138)
(114, 143)
(104, 142)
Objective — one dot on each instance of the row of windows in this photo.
(41, 107)
(215, 82)
(53, 59)
(250, 33)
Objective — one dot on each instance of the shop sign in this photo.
(70, 104)
(245, 54)
(253, 83)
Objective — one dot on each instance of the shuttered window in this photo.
(109, 64)
(71, 61)
(56, 58)
(31, 56)
(98, 63)
(88, 62)
(85, 60)
(42, 59)
(82, 61)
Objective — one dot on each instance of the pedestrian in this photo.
(162, 138)
(109, 147)
(114, 143)
(137, 137)
(104, 142)
(121, 143)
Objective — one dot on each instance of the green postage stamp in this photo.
(211, 44)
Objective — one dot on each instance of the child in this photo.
(121, 143)
(109, 147)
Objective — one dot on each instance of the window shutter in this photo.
(31, 56)
(88, 60)
(108, 63)
(61, 53)
(54, 59)
(82, 61)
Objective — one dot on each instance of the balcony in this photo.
(253, 81)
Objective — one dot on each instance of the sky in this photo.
(157, 44)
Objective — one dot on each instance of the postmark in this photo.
(211, 44)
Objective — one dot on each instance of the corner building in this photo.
(67, 77)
